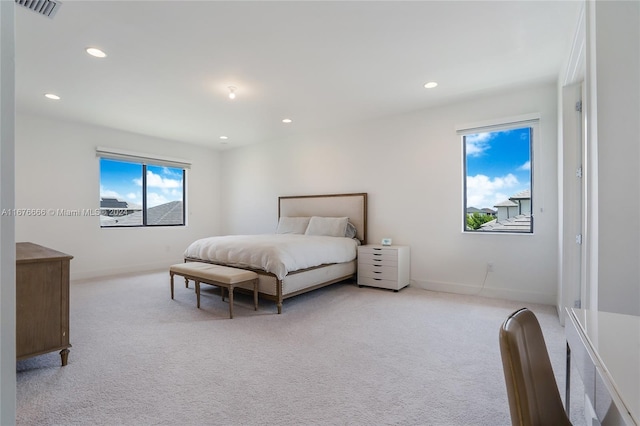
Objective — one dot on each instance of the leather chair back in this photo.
(534, 398)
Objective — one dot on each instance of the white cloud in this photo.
(479, 137)
(478, 143)
(166, 171)
(132, 196)
(155, 199)
(483, 191)
(109, 193)
(157, 181)
(525, 166)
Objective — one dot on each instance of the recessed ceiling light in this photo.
(224, 137)
(232, 92)
(52, 96)
(287, 120)
(430, 85)
(96, 52)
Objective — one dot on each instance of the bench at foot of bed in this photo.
(224, 277)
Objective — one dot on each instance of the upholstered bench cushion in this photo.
(217, 273)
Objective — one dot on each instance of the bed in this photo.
(306, 251)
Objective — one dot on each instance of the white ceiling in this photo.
(322, 64)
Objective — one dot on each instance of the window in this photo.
(498, 178)
(139, 193)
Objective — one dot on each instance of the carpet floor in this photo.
(341, 355)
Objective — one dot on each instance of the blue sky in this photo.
(498, 166)
(123, 180)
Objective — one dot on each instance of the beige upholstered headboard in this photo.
(353, 206)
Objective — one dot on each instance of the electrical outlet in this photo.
(490, 267)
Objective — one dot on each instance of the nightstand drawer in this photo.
(368, 259)
(378, 253)
(376, 282)
(381, 272)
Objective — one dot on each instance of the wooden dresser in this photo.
(42, 301)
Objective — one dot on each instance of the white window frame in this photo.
(148, 160)
(515, 122)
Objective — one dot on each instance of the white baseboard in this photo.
(137, 268)
(491, 292)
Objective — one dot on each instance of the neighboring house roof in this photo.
(488, 211)
(165, 214)
(115, 203)
(522, 195)
(107, 220)
(506, 203)
(471, 210)
(519, 223)
(133, 219)
(106, 202)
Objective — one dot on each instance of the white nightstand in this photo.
(384, 266)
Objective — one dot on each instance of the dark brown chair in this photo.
(534, 398)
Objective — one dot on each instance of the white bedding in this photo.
(278, 254)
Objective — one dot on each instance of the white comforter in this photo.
(275, 253)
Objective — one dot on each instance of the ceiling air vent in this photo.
(47, 8)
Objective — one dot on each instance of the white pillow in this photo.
(351, 230)
(329, 226)
(292, 225)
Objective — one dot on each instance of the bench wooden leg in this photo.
(171, 273)
(231, 301)
(255, 294)
(198, 293)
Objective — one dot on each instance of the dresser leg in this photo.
(64, 354)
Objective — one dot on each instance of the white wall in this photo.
(57, 168)
(7, 232)
(411, 167)
(613, 91)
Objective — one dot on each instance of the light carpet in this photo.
(341, 355)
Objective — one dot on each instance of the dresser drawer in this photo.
(378, 271)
